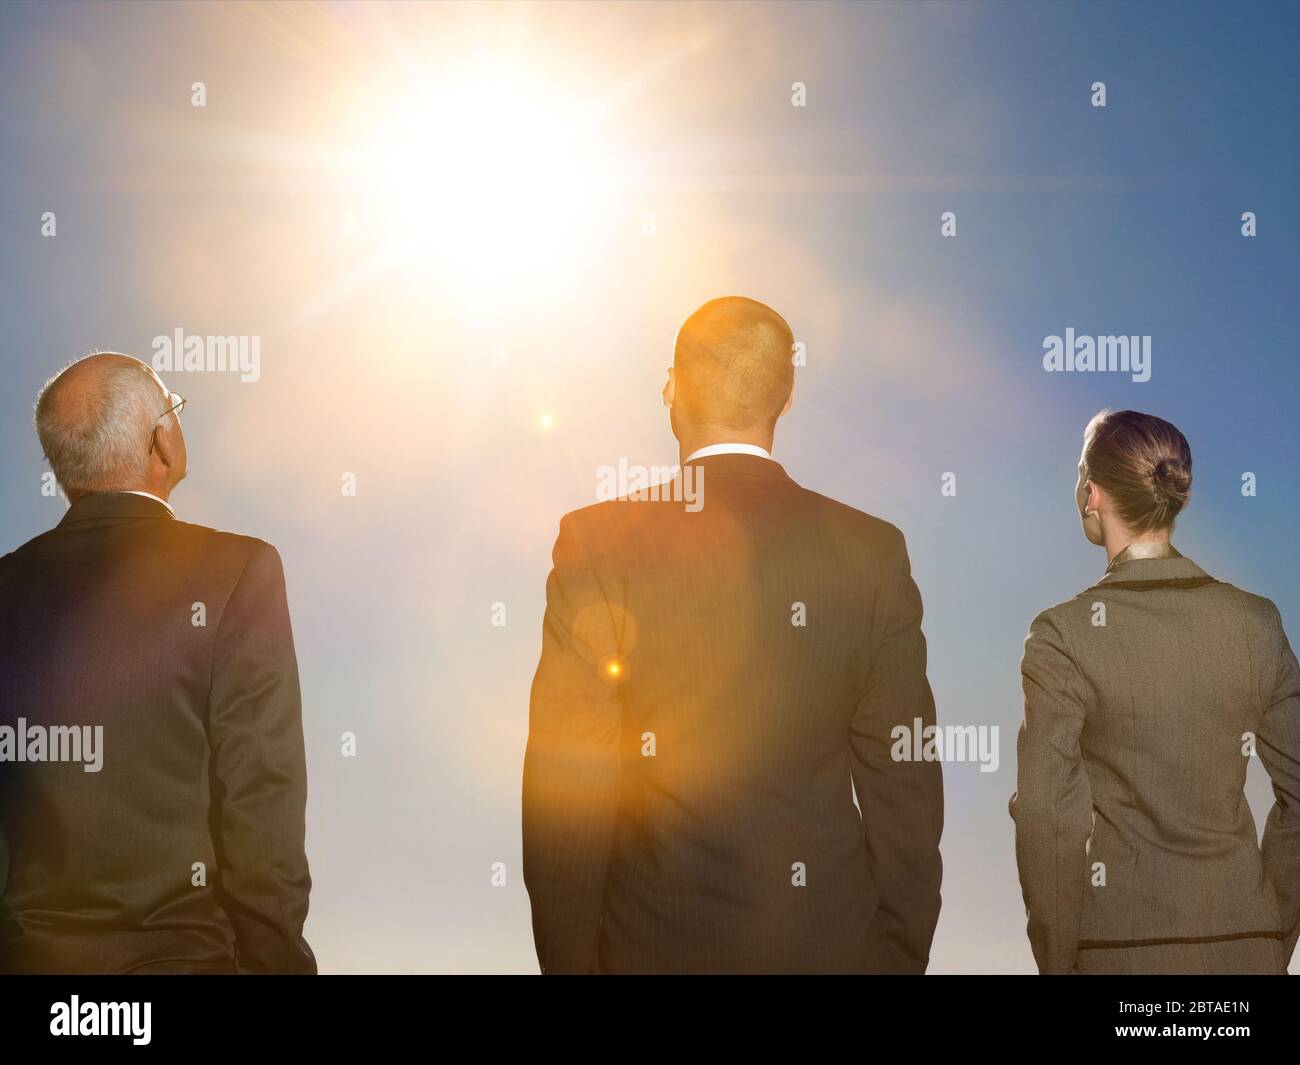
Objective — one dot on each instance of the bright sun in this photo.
(481, 176)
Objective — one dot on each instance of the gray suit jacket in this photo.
(1132, 830)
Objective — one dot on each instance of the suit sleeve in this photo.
(571, 767)
(1052, 805)
(901, 801)
(259, 773)
(1279, 750)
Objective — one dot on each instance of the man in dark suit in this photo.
(166, 649)
(723, 667)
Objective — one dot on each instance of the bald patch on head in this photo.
(72, 395)
(733, 364)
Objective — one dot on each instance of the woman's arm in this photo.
(1052, 806)
(1279, 750)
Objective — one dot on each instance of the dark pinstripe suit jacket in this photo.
(694, 812)
(1132, 831)
(202, 750)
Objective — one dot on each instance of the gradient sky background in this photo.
(260, 214)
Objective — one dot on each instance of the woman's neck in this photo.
(1118, 539)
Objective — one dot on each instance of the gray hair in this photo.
(95, 439)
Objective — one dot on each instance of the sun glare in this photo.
(482, 175)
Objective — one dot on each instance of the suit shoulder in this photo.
(16, 556)
(1257, 604)
(863, 525)
(223, 537)
(603, 528)
(1052, 623)
(594, 513)
(598, 520)
(225, 544)
(1058, 612)
(1258, 608)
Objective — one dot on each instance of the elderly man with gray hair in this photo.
(183, 851)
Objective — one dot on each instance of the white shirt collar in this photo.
(150, 495)
(729, 449)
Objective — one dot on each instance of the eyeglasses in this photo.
(178, 405)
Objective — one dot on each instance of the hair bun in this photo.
(1170, 482)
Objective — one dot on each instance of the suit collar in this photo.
(740, 465)
(1175, 567)
(99, 505)
(1136, 551)
(729, 449)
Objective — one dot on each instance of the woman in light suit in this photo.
(1145, 697)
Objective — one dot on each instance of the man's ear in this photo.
(670, 388)
(164, 445)
(789, 402)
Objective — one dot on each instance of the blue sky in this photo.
(924, 352)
